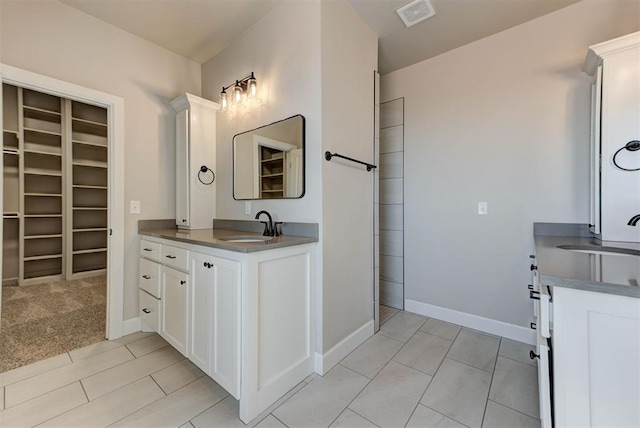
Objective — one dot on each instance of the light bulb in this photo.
(252, 87)
(237, 93)
(224, 101)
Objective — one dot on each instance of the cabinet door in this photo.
(174, 308)
(596, 359)
(214, 323)
(225, 349)
(200, 301)
(182, 168)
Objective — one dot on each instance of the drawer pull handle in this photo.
(533, 355)
(183, 282)
(146, 310)
(208, 265)
(147, 249)
(532, 295)
(146, 276)
(533, 326)
(171, 257)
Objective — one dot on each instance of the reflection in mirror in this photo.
(268, 162)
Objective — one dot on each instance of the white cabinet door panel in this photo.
(175, 285)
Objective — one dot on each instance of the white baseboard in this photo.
(324, 362)
(487, 325)
(132, 325)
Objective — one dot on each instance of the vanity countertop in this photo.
(603, 273)
(211, 238)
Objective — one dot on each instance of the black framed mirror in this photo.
(269, 162)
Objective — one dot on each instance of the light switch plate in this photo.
(134, 207)
(483, 208)
(247, 207)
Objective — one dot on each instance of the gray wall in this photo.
(503, 120)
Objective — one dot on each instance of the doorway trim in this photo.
(115, 111)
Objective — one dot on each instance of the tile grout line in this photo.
(60, 414)
(156, 382)
(383, 367)
(484, 413)
(436, 372)
(515, 410)
(38, 374)
(440, 413)
(276, 418)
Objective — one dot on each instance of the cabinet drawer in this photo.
(175, 257)
(150, 250)
(149, 311)
(149, 277)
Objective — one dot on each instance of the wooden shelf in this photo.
(40, 152)
(45, 257)
(89, 163)
(42, 236)
(280, 174)
(89, 229)
(272, 191)
(8, 131)
(42, 114)
(41, 131)
(272, 159)
(90, 251)
(42, 171)
(43, 215)
(53, 195)
(89, 122)
(83, 186)
(90, 208)
(87, 143)
(8, 215)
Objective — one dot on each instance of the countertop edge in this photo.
(237, 247)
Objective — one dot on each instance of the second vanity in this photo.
(239, 308)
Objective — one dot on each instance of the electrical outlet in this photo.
(247, 207)
(134, 207)
(483, 208)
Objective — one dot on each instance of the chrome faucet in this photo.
(269, 230)
(634, 220)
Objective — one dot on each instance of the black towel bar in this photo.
(328, 155)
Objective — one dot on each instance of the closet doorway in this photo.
(61, 260)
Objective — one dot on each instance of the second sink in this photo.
(595, 249)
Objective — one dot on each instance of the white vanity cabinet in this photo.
(596, 359)
(246, 319)
(195, 147)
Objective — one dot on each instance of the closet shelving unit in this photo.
(11, 186)
(272, 172)
(42, 181)
(55, 188)
(88, 205)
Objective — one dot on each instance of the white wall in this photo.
(283, 51)
(307, 56)
(52, 39)
(349, 58)
(503, 120)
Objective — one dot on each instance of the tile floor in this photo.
(416, 372)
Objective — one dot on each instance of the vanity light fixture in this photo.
(244, 90)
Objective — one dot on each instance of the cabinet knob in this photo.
(146, 276)
(171, 257)
(183, 282)
(534, 267)
(533, 355)
(530, 286)
(184, 220)
(146, 310)
(208, 265)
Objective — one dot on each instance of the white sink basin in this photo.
(605, 251)
(245, 239)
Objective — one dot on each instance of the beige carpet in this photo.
(41, 321)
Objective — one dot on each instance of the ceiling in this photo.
(199, 29)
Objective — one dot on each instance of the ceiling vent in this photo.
(416, 11)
